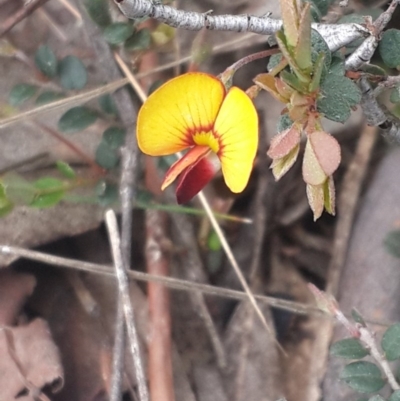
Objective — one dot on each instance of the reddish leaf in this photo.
(327, 151)
(284, 142)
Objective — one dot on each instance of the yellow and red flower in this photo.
(218, 127)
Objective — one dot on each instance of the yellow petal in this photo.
(237, 129)
(175, 111)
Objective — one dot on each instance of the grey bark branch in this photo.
(376, 114)
(336, 36)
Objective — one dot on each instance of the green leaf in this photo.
(376, 397)
(290, 18)
(49, 192)
(395, 396)
(362, 376)
(107, 193)
(17, 189)
(292, 80)
(273, 61)
(287, 53)
(140, 40)
(321, 5)
(391, 342)
(317, 73)
(318, 46)
(389, 48)
(395, 95)
(303, 46)
(107, 104)
(72, 73)
(373, 69)
(65, 169)
(213, 242)
(5, 204)
(48, 97)
(118, 32)
(349, 348)
(76, 119)
(21, 93)
(338, 94)
(46, 61)
(106, 156)
(392, 243)
(284, 123)
(114, 137)
(99, 12)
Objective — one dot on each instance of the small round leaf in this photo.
(114, 137)
(107, 104)
(48, 97)
(46, 61)
(72, 73)
(141, 40)
(76, 119)
(106, 156)
(389, 48)
(349, 348)
(118, 32)
(21, 93)
(391, 342)
(99, 12)
(49, 192)
(364, 377)
(338, 95)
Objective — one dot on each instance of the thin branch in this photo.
(123, 287)
(335, 36)
(363, 54)
(174, 283)
(20, 14)
(377, 115)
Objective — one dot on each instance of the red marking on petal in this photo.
(191, 157)
(194, 179)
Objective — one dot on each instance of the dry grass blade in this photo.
(76, 99)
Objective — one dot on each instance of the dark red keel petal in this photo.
(193, 179)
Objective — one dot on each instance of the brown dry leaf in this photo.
(253, 363)
(35, 353)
